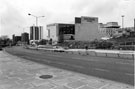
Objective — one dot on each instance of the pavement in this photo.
(19, 73)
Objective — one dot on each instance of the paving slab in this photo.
(19, 73)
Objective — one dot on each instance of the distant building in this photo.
(129, 31)
(16, 39)
(109, 29)
(36, 33)
(86, 28)
(59, 32)
(25, 38)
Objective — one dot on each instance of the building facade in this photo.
(60, 32)
(109, 29)
(36, 33)
(25, 38)
(86, 28)
(16, 39)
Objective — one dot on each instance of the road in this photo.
(120, 70)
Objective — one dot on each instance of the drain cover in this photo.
(45, 76)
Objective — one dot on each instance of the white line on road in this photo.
(129, 74)
(124, 63)
(101, 69)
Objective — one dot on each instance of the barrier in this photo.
(102, 54)
(89, 53)
(112, 55)
(82, 53)
(129, 56)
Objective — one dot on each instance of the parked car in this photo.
(58, 49)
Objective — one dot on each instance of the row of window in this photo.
(67, 30)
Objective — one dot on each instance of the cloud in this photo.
(105, 7)
(15, 12)
(10, 19)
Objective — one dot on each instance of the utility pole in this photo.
(134, 24)
(122, 21)
(37, 17)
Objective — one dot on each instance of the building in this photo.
(86, 28)
(36, 33)
(128, 31)
(109, 29)
(16, 39)
(60, 32)
(25, 38)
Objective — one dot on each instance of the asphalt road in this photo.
(120, 70)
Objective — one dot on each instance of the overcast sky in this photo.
(14, 13)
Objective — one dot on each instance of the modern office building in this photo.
(16, 39)
(25, 38)
(86, 28)
(36, 33)
(60, 32)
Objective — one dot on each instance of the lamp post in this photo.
(134, 24)
(36, 18)
(122, 21)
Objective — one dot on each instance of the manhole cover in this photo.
(45, 76)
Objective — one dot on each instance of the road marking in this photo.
(124, 63)
(76, 66)
(101, 69)
(129, 74)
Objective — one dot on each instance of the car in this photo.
(58, 49)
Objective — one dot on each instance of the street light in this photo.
(134, 24)
(36, 18)
(122, 21)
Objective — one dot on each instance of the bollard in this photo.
(118, 54)
(95, 54)
(79, 53)
(133, 56)
(106, 54)
(87, 53)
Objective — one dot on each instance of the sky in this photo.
(14, 18)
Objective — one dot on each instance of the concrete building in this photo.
(86, 28)
(36, 33)
(25, 38)
(16, 39)
(126, 31)
(60, 32)
(109, 29)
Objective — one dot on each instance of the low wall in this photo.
(99, 53)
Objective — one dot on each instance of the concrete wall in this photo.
(53, 31)
(87, 30)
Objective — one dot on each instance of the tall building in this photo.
(36, 32)
(25, 38)
(16, 39)
(60, 32)
(86, 28)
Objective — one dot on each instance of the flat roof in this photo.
(53, 24)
